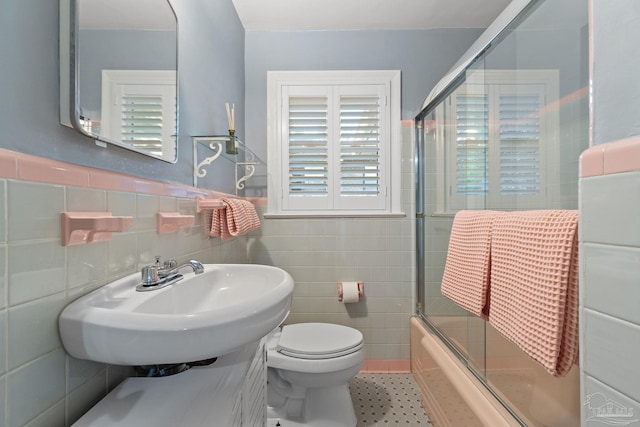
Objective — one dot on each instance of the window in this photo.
(334, 143)
(139, 109)
(496, 140)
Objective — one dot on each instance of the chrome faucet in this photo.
(160, 275)
(170, 267)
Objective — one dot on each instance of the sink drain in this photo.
(151, 371)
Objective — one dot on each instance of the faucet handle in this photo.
(169, 264)
(150, 275)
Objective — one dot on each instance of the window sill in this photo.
(334, 215)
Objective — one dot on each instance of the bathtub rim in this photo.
(484, 404)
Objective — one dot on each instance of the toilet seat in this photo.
(316, 351)
(318, 341)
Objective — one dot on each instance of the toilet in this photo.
(309, 366)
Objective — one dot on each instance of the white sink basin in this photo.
(200, 317)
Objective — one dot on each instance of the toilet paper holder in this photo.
(341, 290)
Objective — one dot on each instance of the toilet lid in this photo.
(318, 340)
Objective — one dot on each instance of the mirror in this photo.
(118, 77)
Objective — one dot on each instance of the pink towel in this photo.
(219, 227)
(466, 272)
(237, 218)
(534, 285)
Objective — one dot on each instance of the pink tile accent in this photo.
(14, 165)
(104, 180)
(374, 365)
(8, 165)
(399, 366)
(406, 123)
(216, 195)
(44, 170)
(258, 201)
(175, 190)
(592, 161)
(622, 156)
(615, 157)
(155, 188)
(396, 366)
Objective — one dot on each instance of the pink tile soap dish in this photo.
(79, 228)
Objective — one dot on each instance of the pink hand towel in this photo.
(466, 273)
(219, 227)
(534, 285)
(237, 218)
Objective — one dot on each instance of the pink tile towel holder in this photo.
(79, 228)
(203, 204)
(171, 222)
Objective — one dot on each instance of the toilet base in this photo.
(324, 407)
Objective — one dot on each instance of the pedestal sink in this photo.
(200, 317)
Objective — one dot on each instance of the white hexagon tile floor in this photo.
(387, 400)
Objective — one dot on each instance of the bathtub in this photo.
(453, 396)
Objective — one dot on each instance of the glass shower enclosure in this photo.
(505, 134)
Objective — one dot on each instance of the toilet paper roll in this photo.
(350, 292)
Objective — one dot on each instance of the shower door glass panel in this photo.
(549, 49)
(455, 135)
(506, 136)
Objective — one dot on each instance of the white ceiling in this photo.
(298, 15)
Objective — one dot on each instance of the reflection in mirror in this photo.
(123, 73)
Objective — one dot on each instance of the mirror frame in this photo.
(70, 82)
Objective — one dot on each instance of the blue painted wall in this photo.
(211, 62)
(215, 54)
(423, 56)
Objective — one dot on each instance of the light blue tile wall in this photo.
(320, 252)
(609, 235)
(40, 385)
(609, 295)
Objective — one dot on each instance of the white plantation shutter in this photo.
(306, 150)
(139, 108)
(308, 146)
(472, 142)
(496, 152)
(520, 148)
(363, 136)
(330, 143)
(141, 122)
(147, 117)
(335, 141)
(359, 146)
